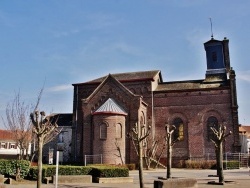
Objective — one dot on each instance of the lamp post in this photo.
(59, 149)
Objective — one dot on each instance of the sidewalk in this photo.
(238, 178)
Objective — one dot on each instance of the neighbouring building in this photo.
(61, 142)
(245, 138)
(9, 147)
(107, 108)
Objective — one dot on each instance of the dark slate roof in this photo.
(110, 107)
(63, 120)
(187, 85)
(129, 76)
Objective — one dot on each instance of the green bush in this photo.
(94, 170)
(109, 171)
(231, 164)
(9, 167)
(50, 170)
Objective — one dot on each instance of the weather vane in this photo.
(211, 25)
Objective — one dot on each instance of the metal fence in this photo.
(92, 159)
(231, 160)
(236, 160)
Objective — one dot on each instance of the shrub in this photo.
(200, 164)
(130, 166)
(9, 167)
(109, 171)
(49, 171)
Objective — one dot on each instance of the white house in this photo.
(8, 147)
(244, 132)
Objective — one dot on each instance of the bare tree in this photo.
(220, 136)
(118, 148)
(151, 150)
(169, 144)
(18, 122)
(42, 127)
(138, 135)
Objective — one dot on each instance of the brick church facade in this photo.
(107, 108)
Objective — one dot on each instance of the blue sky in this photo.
(61, 42)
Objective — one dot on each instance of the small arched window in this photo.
(118, 130)
(179, 131)
(211, 122)
(103, 131)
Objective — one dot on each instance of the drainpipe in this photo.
(76, 111)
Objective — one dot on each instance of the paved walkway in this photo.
(239, 178)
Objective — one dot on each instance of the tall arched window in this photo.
(211, 122)
(103, 131)
(118, 130)
(179, 131)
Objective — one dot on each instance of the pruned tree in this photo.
(138, 134)
(219, 138)
(42, 127)
(169, 145)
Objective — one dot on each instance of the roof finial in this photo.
(211, 25)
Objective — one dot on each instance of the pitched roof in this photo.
(128, 77)
(6, 135)
(110, 107)
(62, 120)
(107, 79)
(244, 129)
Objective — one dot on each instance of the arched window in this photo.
(103, 131)
(179, 131)
(211, 122)
(118, 130)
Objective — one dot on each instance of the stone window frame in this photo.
(179, 131)
(212, 121)
(103, 131)
(118, 130)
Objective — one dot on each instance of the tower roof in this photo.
(110, 107)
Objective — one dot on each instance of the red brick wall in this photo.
(107, 147)
(194, 107)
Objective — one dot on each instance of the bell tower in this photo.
(218, 63)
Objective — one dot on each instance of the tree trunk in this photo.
(169, 158)
(40, 162)
(140, 165)
(220, 163)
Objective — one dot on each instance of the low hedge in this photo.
(9, 167)
(95, 171)
(200, 164)
(50, 170)
(208, 164)
(109, 171)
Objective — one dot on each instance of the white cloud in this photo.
(122, 47)
(60, 88)
(66, 33)
(244, 75)
(100, 20)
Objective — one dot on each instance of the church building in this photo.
(107, 108)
